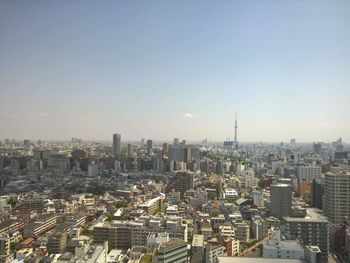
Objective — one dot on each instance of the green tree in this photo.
(120, 203)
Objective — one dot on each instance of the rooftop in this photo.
(170, 244)
(312, 215)
(256, 260)
(198, 240)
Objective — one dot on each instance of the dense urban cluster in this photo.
(151, 201)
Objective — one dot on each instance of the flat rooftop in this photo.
(198, 241)
(256, 260)
(171, 243)
(312, 215)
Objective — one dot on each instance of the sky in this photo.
(164, 69)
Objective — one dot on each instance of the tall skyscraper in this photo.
(149, 147)
(281, 200)
(317, 148)
(236, 126)
(116, 144)
(337, 196)
(130, 149)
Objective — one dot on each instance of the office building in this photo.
(281, 200)
(149, 147)
(130, 151)
(116, 147)
(317, 148)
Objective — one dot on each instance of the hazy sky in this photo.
(164, 69)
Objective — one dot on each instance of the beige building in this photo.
(197, 249)
(152, 206)
(337, 196)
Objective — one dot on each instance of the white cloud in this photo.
(188, 115)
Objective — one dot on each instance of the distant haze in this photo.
(164, 69)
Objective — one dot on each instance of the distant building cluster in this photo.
(172, 202)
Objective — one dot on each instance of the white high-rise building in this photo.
(308, 173)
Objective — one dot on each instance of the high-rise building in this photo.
(317, 148)
(116, 144)
(281, 200)
(181, 182)
(130, 149)
(317, 193)
(308, 173)
(312, 230)
(337, 196)
(149, 147)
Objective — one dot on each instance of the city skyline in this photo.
(162, 70)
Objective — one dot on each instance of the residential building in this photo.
(312, 230)
(173, 251)
(41, 225)
(337, 196)
(242, 231)
(57, 242)
(181, 182)
(308, 173)
(152, 206)
(212, 252)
